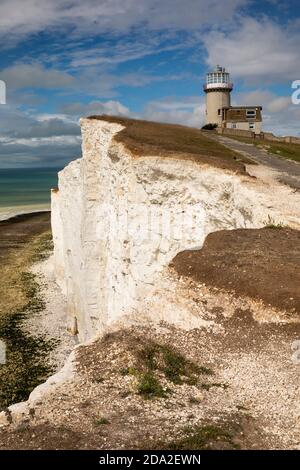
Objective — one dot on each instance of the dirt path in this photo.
(288, 169)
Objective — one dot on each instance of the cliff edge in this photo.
(179, 261)
(141, 193)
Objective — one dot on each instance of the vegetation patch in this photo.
(149, 386)
(155, 362)
(208, 386)
(270, 223)
(146, 138)
(207, 437)
(101, 421)
(42, 247)
(280, 149)
(26, 355)
(209, 127)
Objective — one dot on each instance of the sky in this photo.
(63, 59)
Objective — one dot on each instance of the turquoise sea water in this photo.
(27, 189)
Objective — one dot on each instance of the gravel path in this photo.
(289, 170)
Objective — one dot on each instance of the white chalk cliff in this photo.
(118, 221)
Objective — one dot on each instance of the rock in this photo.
(5, 419)
(118, 220)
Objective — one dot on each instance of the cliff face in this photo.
(118, 220)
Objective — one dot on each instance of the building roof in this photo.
(242, 107)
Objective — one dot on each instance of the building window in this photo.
(251, 113)
(233, 125)
(219, 112)
(251, 125)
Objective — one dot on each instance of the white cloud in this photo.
(90, 81)
(96, 107)
(41, 152)
(46, 139)
(35, 76)
(271, 103)
(27, 139)
(117, 52)
(279, 114)
(23, 17)
(256, 51)
(279, 104)
(188, 111)
(53, 127)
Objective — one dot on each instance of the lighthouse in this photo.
(245, 119)
(217, 89)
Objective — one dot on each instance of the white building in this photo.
(219, 111)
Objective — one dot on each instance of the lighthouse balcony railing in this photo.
(210, 86)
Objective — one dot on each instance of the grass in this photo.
(101, 421)
(26, 365)
(145, 138)
(149, 386)
(43, 246)
(99, 380)
(172, 364)
(270, 223)
(208, 386)
(205, 437)
(280, 149)
(154, 361)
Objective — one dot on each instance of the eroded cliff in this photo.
(119, 218)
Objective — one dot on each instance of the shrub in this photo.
(210, 127)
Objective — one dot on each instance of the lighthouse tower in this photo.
(217, 89)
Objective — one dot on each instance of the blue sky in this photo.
(62, 59)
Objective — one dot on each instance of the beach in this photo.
(7, 213)
(31, 327)
(24, 191)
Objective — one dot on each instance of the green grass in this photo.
(204, 438)
(172, 364)
(155, 360)
(274, 226)
(43, 246)
(270, 223)
(99, 380)
(101, 421)
(149, 386)
(280, 149)
(26, 365)
(208, 386)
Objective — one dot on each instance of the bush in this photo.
(209, 127)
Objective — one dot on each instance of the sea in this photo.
(25, 190)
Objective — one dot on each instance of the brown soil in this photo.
(262, 264)
(104, 410)
(146, 138)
